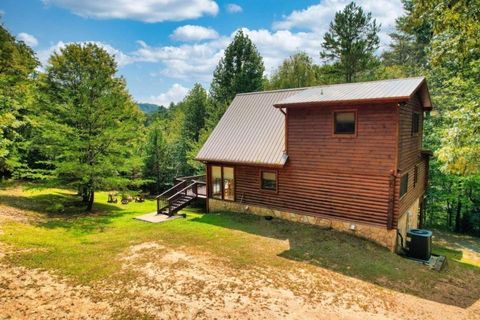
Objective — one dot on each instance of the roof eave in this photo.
(246, 163)
(342, 102)
(422, 89)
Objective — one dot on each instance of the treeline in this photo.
(75, 123)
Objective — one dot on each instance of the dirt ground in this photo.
(161, 283)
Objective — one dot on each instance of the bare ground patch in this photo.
(157, 282)
(187, 285)
(36, 294)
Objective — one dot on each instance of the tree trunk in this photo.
(458, 216)
(91, 198)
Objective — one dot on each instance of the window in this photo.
(228, 184)
(415, 176)
(222, 183)
(344, 122)
(403, 185)
(415, 123)
(269, 180)
(216, 182)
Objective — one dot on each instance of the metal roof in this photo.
(383, 90)
(251, 131)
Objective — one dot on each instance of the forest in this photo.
(73, 123)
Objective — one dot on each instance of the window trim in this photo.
(400, 188)
(415, 176)
(234, 184)
(345, 135)
(210, 187)
(261, 178)
(210, 181)
(413, 133)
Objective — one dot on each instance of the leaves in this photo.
(90, 127)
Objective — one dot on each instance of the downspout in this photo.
(286, 130)
(391, 199)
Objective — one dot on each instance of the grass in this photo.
(87, 247)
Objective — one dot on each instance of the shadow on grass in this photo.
(359, 258)
(65, 210)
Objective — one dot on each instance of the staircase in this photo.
(185, 190)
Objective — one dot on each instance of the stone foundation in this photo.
(382, 236)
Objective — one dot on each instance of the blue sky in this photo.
(163, 47)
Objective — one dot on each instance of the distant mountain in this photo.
(149, 107)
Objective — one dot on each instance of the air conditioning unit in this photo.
(419, 244)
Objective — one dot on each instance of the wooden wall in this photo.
(342, 177)
(313, 147)
(410, 155)
(409, 146)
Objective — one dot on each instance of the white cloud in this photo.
(175, 94)
(317, 18)
(121, 58)
(234, 8)
(196, 62)
(143, 10)
(29, 40)
(188, 61)
(276, 46)
(193, 33)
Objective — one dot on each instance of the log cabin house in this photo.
(343, 156)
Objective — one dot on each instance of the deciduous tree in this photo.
(90, 125)
(17, 96)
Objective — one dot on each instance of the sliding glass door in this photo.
(222, 182)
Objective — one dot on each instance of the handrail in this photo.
(190, 177)
(166, 199)
(184, 189)
(169, 190)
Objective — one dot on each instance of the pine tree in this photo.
(90, 125)
(239, 70)
(351, 41)
(157, 167)
(196, 103)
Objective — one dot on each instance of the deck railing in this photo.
(194, 186)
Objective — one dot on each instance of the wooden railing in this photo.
(194, 186)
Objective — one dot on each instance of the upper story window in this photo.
(403, 184)
(269, 180)
(415, 123)
(344, 122)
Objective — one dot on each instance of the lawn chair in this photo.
(112, 198)
(140, 198)
(126, 199)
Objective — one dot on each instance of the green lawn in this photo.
(86, 247)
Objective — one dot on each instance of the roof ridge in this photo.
(326, 85)
(272, 91)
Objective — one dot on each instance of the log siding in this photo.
(355, 179)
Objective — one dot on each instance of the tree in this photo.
(239, 70)
(17, 95)
(351, 41)
(410, 41)
(158, 160)
(295, 72)
(196, 103)
(90, 125)
(443, 41)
